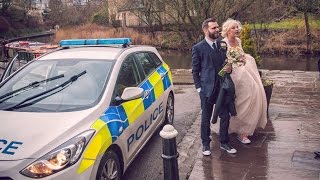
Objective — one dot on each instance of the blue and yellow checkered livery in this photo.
(116, 119)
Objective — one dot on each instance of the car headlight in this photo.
(60, 158)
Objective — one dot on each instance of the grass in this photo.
(289, 42)
(160, 39)
(292, 23)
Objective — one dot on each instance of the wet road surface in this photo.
(284, 150)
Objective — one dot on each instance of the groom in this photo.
(207, 59)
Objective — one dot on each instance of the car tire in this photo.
(109, 168)
(169, 110)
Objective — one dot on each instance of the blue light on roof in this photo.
(83, 42)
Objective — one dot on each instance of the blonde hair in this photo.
(228, 24)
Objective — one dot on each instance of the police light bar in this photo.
(82, 42)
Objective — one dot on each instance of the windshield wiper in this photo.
(27, 88)
(62, 86)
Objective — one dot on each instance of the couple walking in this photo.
(208, 58)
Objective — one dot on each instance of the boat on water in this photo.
(19, 53)
(28, 50)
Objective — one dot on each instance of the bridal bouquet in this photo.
(235, 57)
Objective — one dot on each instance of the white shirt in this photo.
(211, 42)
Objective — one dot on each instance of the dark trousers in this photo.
(207, 109)
(319, 65)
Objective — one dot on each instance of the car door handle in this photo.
(147, 94)
(162, 75)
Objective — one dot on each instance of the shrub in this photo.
(101, 17)
(173, 40)
(248, 43)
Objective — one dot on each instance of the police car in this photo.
(83, 111)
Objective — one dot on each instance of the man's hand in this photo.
(227, 68)
(198, 90)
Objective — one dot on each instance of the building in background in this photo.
(40, 4)
(137, 13)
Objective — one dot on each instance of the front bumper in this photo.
(11, 170)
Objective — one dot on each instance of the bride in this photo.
(251, 103)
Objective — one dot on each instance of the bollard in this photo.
(170, 154)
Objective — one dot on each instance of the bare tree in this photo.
(69, 13)
(101, 16)
(56, 11)
(176, 11)
(150, 12)
(306, 7)
(25, 4)
(4, 6)
(189, 14)
(113, 6)
(262, 12)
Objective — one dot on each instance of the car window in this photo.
(38, 73)
(128, 76)
(148, 64)
(83, 93)
(17, 62)
(155, 58)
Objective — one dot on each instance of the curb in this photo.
(188, 149)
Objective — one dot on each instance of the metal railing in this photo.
(5, 58)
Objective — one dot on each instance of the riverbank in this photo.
(289, 42)
(267, 41)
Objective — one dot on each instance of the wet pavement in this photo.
(283, 150)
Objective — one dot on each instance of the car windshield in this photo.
(37, 87)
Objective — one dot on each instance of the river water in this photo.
(182, 60)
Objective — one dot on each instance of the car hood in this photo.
(32, 135)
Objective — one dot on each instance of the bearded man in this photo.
(208, 58)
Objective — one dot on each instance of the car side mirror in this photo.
(131, 93)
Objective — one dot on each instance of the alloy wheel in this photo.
(110, 170)
(170, 110)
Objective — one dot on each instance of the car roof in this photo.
(93, 52)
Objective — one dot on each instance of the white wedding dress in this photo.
(251, 103)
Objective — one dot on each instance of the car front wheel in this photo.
(109, 168)
(169, 110)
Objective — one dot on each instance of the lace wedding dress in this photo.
(251, 103)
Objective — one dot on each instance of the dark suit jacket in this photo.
(206, 63)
